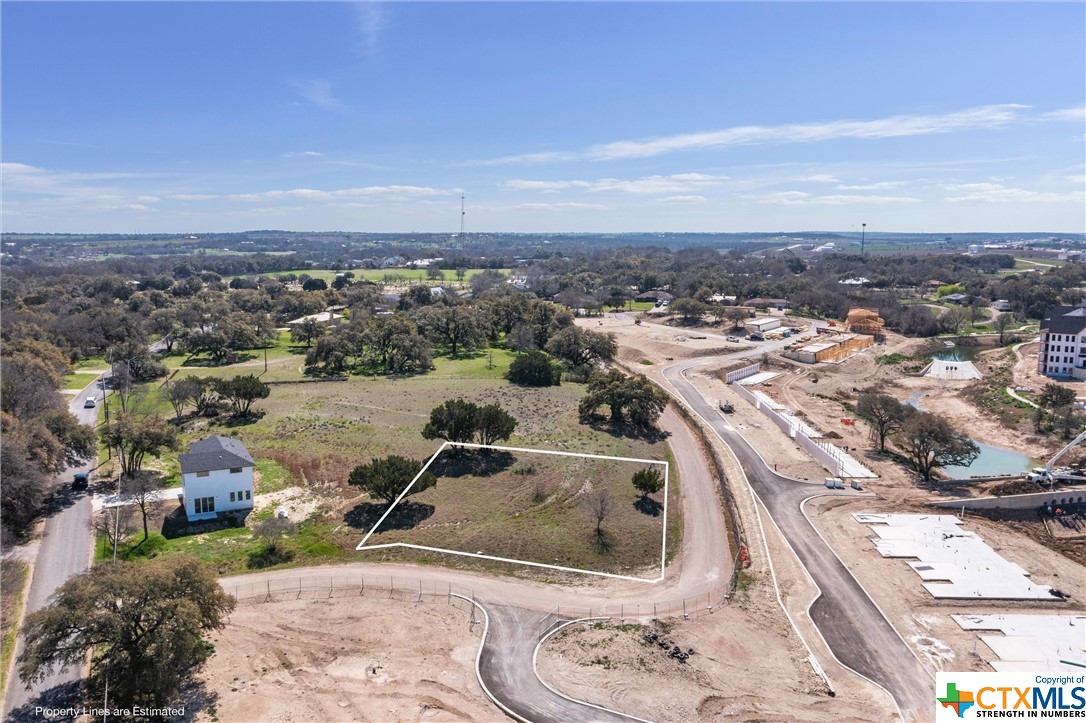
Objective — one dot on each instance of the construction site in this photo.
(974, 574)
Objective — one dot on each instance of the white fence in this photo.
(742, 373)
(829, 456)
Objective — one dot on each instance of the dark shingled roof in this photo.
(1064, 320)
(215, 453)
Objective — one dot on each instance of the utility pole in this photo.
(863, 236)
(461, 215)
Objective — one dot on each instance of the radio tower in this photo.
(461, 214)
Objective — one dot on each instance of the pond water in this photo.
(958, 353)
(991, 461)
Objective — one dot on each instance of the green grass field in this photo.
(78, 380)
(534, 508)
(312, 435)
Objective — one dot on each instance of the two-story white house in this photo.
(1063, 342)
(216, 476)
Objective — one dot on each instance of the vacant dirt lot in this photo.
(744, 667)
(354, 659)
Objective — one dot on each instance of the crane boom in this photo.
(1051, 462)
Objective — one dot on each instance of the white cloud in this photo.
(304, 154)
(676, 183)
(1066, 114)
(881, 185)
(526, 159)
(371, 21)
(564, 206)
(799, 198)
(1077, 179)
(683, 199)
(897, 126)
(545, 186)
(818, 178)
(991, 116)
(391, 192)
(318, 92)
(998, 193)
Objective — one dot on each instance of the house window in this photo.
(205, 473)
(201, 505)
(232, 497)
(248, 495)
(235, 470)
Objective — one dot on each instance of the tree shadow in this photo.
(478, 462)
(648, 506)
(66, 695)
(404, 516)
(205, 361)
(197, 697)
(604, 542)
(252, 417)
(625, 429)
(268, 556)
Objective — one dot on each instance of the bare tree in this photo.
(141, 487)
(600, 505)
(116, 524)
(1001, 323)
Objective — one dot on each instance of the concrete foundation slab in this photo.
(1029, 643)
(953, 562)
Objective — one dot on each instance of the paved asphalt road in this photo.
(517, 686)
(65, 551)
(854, 628)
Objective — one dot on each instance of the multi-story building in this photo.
(1063, 342)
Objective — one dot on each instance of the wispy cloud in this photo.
(317, 92)
(645, 185)
(683, 199)
(303, 154)
(998, 193)
(801, 198)
(564, 206)
(897, 126)
(371, 21)
(1066, 114)
(527, 159)
(879, 186)
(991, 116)
(392, 192)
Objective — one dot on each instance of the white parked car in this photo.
(90, 403)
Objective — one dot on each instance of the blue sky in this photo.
(191, 117)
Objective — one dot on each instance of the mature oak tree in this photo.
(387, 477)
(885, 414)
(143, 625)
(929, 441)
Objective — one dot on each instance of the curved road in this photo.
(854, 627)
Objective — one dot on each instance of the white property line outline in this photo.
(663, 534)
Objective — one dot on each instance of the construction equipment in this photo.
(1041, 476)
(727, 407)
